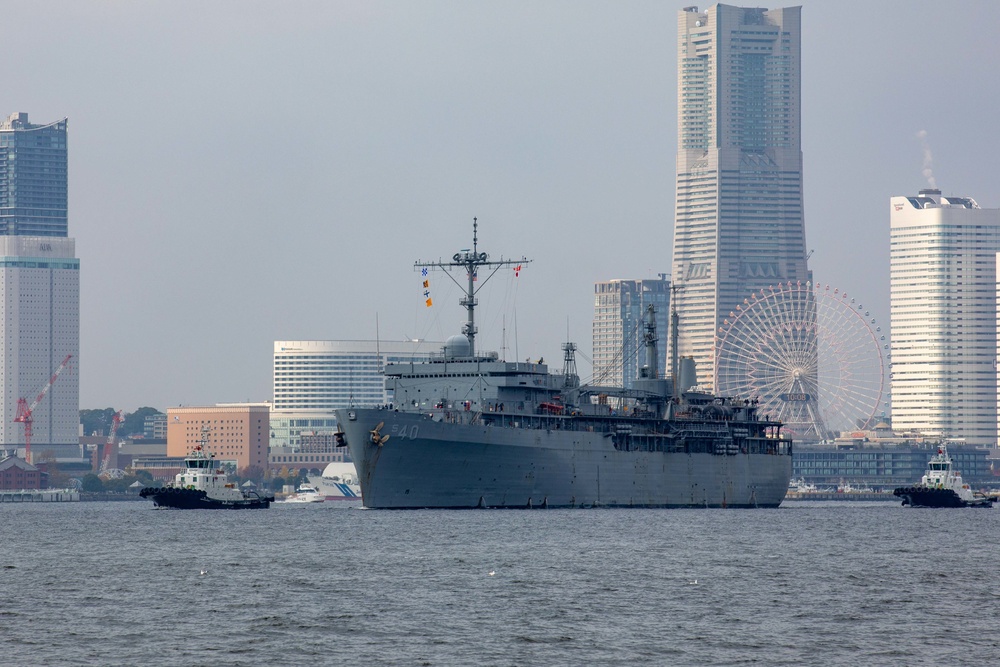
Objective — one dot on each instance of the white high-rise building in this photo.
(39, 327)
(312, 378)
(943, 303)
(739, 224)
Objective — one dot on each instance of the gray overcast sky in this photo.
(244, 172)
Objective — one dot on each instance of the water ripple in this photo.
(832, 584)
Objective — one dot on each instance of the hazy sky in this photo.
(244, 172)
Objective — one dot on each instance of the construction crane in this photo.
(109, 446)
(24, 411)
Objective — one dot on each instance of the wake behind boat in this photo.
(942, 486)
(467, 429)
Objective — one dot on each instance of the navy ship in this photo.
(467, 429)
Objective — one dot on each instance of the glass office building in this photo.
(884, 467)
(33, 178)
(619, 315)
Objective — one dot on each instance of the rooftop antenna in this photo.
(471, 261)
(378, 354)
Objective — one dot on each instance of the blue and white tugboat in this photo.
(204, 484)
(942, 486)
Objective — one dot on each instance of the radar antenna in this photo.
(471, 261)
(674, 339)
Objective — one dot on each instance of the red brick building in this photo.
(16, 474)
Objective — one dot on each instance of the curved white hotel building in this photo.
(312, 378)
(943, 303)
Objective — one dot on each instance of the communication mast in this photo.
(471, 261)
(24, 411)
(109, 446)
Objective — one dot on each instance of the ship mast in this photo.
(652, 358)
(472, 261)
(674, 339)
(570, 377)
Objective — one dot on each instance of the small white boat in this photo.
(305, 494)
(338, 482)
(847, 487)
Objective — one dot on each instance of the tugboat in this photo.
(942, 486)
(203, 484)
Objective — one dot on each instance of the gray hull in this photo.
(431, 464)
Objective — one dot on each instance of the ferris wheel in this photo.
(813, 358)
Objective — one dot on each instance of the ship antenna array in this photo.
(471, 261)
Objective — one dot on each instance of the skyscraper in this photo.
(943, 311)
(619, 312)
(739, 223)
(33, 182)
(39, 287)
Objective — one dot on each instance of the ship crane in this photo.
(25, 411)
(109, 447)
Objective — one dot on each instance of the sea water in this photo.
(332, 584)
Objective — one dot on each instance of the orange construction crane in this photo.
(24, 410)
(109, 446)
